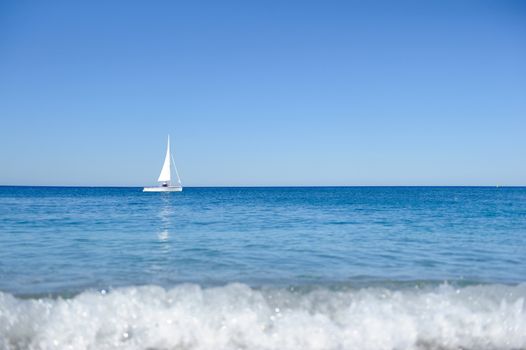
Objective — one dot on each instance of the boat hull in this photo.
(163, 189)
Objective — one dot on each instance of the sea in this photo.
(263, 268)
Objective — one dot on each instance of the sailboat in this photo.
(165, 178)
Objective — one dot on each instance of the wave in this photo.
(237, 316)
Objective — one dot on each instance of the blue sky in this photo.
(263, 92)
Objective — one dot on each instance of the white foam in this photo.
(238, 317)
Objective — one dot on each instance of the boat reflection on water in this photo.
(163, 236)
(165, 219)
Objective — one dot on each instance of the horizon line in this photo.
(264, 186)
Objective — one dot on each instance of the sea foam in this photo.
(239, 317)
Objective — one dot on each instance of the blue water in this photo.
(55, 240)
(432, 267)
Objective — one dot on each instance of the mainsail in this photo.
(166, 175)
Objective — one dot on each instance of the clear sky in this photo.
(263, 92)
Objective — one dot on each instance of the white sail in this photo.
(166, 175)
(176, 172)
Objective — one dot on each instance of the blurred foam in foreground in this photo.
(239, 317)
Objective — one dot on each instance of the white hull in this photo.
(163, 189)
